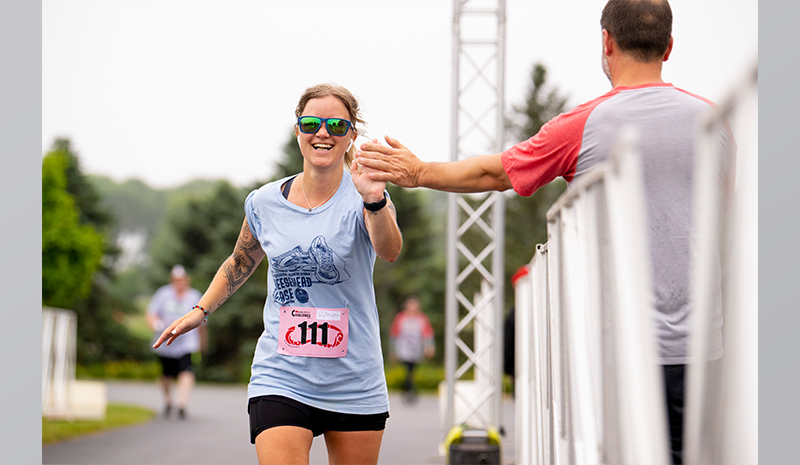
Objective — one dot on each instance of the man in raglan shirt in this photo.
(411, 336)
(637, 39)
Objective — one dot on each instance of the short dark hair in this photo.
(641, 28)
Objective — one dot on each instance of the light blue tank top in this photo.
(318, 259)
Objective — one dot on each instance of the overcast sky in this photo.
(169, 91)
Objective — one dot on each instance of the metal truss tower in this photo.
(476, 222)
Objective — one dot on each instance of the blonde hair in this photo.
(349, 101)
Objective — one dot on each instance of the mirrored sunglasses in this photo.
(334, 126)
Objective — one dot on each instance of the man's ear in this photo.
(669, 49)
(609, 46)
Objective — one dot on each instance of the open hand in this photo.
(182, 325)
(395, 163)
(371, 190)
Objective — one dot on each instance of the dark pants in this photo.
(408, 385)
(674, 384)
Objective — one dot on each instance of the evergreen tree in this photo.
(87, 199)
(542, 103)
(77, 259)
(526, 221)
(71, 251)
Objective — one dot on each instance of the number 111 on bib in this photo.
(313, 332)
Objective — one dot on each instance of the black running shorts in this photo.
(271, 411)
(172, 366)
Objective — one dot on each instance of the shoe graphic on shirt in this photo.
(319, 260)
(293, 260)
(323, 256)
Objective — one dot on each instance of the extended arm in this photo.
(235, 270)
(398, 165)
(154, 321)
(384, 232)
(427, 335)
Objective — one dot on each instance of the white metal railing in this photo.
(722, 396)
(532, 364)
(588, 387)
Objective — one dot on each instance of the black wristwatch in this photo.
(373, 207)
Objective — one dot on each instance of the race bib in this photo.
(313, 332)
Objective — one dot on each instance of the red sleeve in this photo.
(551, 153)
(427, 329)
(394, 331)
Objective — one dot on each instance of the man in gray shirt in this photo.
(637, 39)
(169, 303)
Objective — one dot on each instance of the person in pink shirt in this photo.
(411, 339)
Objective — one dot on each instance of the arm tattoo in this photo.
(243, 264)
(375, 213)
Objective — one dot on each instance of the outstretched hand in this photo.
(371, 190)
(393, 163)
(182, 325)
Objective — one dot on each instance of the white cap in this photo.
(178, 271)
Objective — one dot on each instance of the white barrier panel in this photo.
(636, 418)
(525, 433)
(541, 353)
(532, 380)
(63, 397)
(722, 396)
(588, 385)
(58, 361)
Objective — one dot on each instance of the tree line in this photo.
(106, 247)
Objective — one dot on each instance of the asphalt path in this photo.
(216, 432)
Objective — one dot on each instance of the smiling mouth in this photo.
(324, 147)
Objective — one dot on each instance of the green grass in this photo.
(117, 416)
(137, 325)
(125, 369)
(426, 377)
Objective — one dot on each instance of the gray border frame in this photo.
(20, 128)
(779, 222)
(20, 265)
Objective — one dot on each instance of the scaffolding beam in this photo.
(476, 222)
